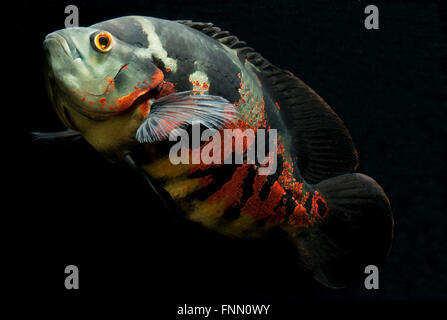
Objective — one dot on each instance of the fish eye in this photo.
(103, 42)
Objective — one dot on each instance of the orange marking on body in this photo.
(201, 167)
(299, 217)
(126, 101)
(315, 206)
(205, 180)
(144, 108)
(111, 83)
(165, 88)
(263, 208)
(102, 101)
(230, 193)
(259, 81)
(279, 215)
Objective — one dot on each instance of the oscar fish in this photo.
(126, 84)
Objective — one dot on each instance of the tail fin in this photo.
(356, 232)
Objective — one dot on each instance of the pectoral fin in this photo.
(181, 109)
(56, 137)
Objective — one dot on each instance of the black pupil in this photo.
(104, 41)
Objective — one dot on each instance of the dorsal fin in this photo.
(323, 144)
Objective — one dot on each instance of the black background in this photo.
(389, 87)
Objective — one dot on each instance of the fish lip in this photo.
(61, 40)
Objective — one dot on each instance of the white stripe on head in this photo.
(155, 46)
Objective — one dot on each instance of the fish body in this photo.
(127, 83)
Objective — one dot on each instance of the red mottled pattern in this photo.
(263, 208)
(231, 192)
(286, 201)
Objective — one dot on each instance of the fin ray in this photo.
(357, 230)
(310, 120)
(56, 137)
(181, 109)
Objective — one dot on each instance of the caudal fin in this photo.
(356, 232)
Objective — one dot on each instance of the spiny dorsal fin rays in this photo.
(323, 151)
(178, 110)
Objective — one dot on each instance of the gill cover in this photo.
(98, 74)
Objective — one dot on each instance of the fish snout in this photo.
(55, 41)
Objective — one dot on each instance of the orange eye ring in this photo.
(103, 41)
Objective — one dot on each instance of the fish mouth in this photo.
(67, 46)
(53, 92)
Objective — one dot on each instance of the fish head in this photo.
(94, 73)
